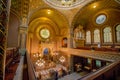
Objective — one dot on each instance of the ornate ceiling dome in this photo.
(66, 4)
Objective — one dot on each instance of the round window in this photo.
(45, 33)
(101, 19)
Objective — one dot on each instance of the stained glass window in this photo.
(100, 19)
(45, 33)
(88, 37)
(118, 33)
(107, 34)
(96, 36)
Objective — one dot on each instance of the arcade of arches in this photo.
(77, 39)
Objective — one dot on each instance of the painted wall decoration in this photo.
(3, 27)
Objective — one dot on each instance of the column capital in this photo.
(22, 29)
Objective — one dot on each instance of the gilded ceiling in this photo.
(38, 12)
(20, 8)
(88, 14)
(49, 17)
(64, 4)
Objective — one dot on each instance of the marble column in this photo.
(4, 18)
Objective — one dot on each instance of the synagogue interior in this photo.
(59, 39)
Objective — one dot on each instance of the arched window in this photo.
(107, 34)
(96, 36)
(88, 37)
(118, 33)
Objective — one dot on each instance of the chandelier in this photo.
(62, 59)
(40, 62)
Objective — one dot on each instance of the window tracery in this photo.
(118, 33)
(107, 34)
(96, 36)
(88, 37)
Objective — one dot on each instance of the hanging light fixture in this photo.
(62, 59)
(40, 62)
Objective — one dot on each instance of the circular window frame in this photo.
(100, 19)
(41, 33)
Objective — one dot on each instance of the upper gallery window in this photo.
(44, 33)
(118, 33)
(101, 19)
(107, 34)
(88, 37)
(96, 36)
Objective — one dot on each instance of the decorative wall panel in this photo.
(3, 28)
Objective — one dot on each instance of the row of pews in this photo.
(11, 64)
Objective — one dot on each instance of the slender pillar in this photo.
(22, 37)
(71, 63)
(70, 39)
(4, 18)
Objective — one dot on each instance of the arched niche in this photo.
(12, 38)
(64, 42)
